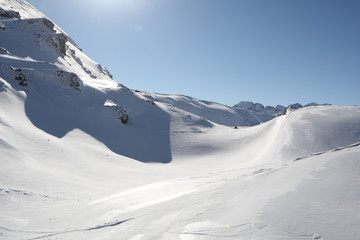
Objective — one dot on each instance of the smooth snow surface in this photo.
(177, 169)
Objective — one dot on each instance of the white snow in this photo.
(70, 169)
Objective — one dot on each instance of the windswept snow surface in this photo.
(177, 169)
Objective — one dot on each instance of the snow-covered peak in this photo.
(30, 40)
(270, 110)
(19, 9)
(259, 108)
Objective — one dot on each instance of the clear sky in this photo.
(272, 52)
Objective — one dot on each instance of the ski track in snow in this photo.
(70, 169)
(202, 183)
(50, 234)
(332, 150)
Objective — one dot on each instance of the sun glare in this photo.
(111, 5)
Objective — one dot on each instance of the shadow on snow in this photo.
(58, 111)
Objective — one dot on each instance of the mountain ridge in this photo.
(83, 157)
(73, 69)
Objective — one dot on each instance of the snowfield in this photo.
(83, 157)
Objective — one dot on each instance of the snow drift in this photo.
(80, 154)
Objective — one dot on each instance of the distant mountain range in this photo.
(270, 110)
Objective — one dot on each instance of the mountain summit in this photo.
(80, 154)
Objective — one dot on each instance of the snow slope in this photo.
(214, 112)
(71, 169)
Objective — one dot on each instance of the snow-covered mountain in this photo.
(271, 111)
(80, 154)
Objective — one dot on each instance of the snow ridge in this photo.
(83, 157)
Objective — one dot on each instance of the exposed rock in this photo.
(78, 60)
(295, 106)
(124, 117)
(60, 43)
(50, 36)
(104, 71)
(9, 13)
(3, 87)
(120, 112)
(269, 110)
(123, 86)
(49, 24)
(69, 79)
(259, 108)
(20, 77)
(244, 105)
(280, 109)
(256, 107)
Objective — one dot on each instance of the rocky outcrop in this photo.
(274, 111)
(259, 108)
(48, 23)
(119, 111)
(20, 78)
(123, 116)
(104, 71)
(295, 106)
(69, 79)
(49, 36)
(3, 87)
(269, 110)
(9, 13)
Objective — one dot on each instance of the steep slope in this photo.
(75, 148)
(64, 90)
(33, 41)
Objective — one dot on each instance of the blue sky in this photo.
(272, 52)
